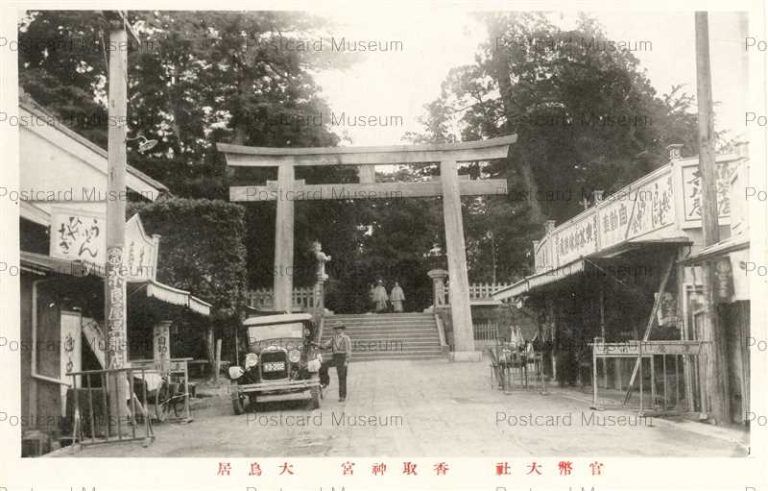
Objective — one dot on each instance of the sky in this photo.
(395, 85)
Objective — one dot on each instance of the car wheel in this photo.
(315, 401)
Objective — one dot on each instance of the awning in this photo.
(40, 263)
(580, 265)
(535, 281)
(721, 248)
(176, 296)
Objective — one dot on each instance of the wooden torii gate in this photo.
(287, 189)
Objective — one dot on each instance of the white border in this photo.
(466, 473)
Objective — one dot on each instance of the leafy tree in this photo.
(197, 78)
(586, 118)
(202, 251)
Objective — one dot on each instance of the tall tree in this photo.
(196, 78)
(586, 117)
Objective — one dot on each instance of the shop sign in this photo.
(739, 261)
(161, 346)
(577, 240)
(723, 280)
(70, 355)
(633, 212)
(692, 192)
(78, 236)
(140, 251)
(81, 236)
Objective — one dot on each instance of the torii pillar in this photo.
(282, 292)
(449, 186)
(458, 286)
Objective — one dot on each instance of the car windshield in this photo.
(274, 331)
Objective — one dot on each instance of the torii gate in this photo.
(287, 189)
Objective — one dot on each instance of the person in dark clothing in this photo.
(341, 346)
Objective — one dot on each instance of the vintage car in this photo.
(281, 363)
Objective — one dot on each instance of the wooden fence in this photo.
(484, 291)
(303, 299)
(486, 331)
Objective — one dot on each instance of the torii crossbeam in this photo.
(287, 189)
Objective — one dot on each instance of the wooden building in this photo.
(599, 275)
(63, 179)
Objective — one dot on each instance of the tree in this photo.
(197, 78)
(202, 251)
(586, 118)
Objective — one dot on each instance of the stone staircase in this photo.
(402, 336)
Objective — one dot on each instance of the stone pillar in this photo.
(161, 345)
(366, 174)
(438, 286)
(461, 315)
(283, 281)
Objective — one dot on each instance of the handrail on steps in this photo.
(440, 331)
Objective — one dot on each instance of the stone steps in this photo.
(406, 336)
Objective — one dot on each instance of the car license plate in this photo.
(275, 366)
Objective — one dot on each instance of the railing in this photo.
(94, 423)
(484, 291)
(303, 299)
(486, 331)
(478, 292)
(668, 381)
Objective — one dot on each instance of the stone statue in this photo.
(322, 258)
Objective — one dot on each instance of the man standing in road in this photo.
(341, 346)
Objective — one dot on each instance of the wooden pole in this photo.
(115, 310)
(649, 326)
(715, 353)
(461, 315)
(602, 334)
(217, 367)
(283, 273)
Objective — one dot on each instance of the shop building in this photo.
(63, 190)
(627, 269)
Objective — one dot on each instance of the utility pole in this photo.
(115, 310)
(715, 370)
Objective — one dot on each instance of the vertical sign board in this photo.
(70, 352)
(141, 251)
(161, 346)
(543, 255)
(739, 260)
(692, 193)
